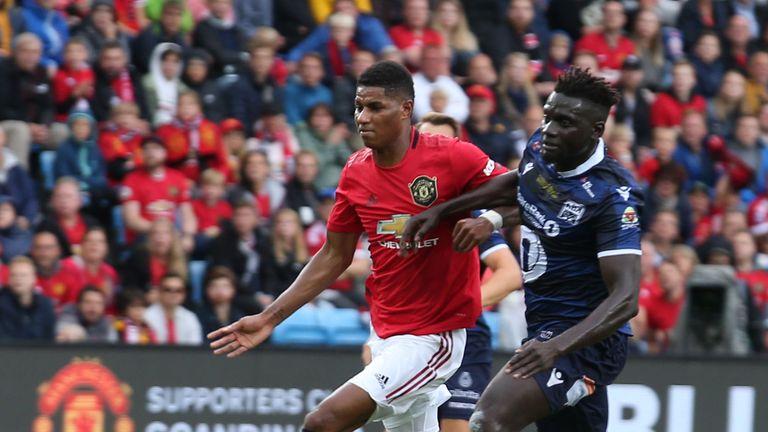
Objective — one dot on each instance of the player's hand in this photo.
(239, 337)
(531, 358)
(469, 233)
(416, 228)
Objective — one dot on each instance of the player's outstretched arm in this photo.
(498, 192)
(621, 274)
(324, 268)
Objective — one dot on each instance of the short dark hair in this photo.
(110, 45)
(579, 83)
(439, 119)
(129, 297)
(391, 76)
(89, 289)
(172, 275)
(220, 272)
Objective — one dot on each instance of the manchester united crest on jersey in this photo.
(424, 190)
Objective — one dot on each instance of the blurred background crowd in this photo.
(168, 166)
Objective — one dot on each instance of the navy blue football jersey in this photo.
(569, 220)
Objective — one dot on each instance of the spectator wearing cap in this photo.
(757, 82)
(634, 107)
(435, 75)
(197, 76)
(233, 138)
(14, 240)
(326, 140)
(50, 26)
(25, 314)
(698, 16)
(707, 60)
(101, 26)
(369, 33)
(523, 33)
(26, 99)
(306, 90)
(156, 192)
(484, 129)
(301, 193)
(344, 88)
(220, 37)
(73, 82)
(245, 99)
(162, 85)
(116, 82)
(57, 279)
(668, 108)
(167, 29)
(609, 44)
(692, 151)
(414, 34)
(276, 138)
(65, 219)
(16, 182)
(120, 141)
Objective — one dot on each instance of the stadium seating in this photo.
(344, 326)
(301, 328)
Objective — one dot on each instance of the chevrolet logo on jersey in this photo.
(394, 226)
(424, 190)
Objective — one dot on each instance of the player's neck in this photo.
(393, 154)
(575, 162)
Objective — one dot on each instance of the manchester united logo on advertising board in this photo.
(83, 391)
(424, 190)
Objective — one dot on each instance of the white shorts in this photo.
(406, 375)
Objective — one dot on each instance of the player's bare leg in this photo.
(454, 425)
(508, 405)
(346, 409)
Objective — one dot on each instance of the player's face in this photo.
(380, 117)
(569, 131)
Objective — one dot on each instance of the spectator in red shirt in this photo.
(58, 280)
(233, 138)
(211, 209)
(609, 45)
(193, 143)
(157, 192)
(414, 34)
(91, 261)
(669, 107)
(660, 306)
(73, 82)
(65, 219)
(747, 270)
(664, 144)
(120, 141)
(130, 325)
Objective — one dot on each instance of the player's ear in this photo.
(406, 109)
(598, 128)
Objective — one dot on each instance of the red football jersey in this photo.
(159, 196)
(63, 286)
(436, 289)
(208, 217)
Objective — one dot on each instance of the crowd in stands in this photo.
(140, 136)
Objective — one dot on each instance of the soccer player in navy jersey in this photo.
(469, 382)
(420, 305)
(580, 257)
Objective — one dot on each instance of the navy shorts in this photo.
(575, 387)
(469, 382)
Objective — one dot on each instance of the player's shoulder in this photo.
(359, 159)
(431, 141)
(613, 182)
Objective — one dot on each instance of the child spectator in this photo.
(120, 141)
(14, 240)
(73, 82)
(233, 137)
(131, 327)
(619, 146)
(556, 63)
(172, 323)
(162, 85)
(218, 308)
(91, 261)
(58, 280)
(340, 48)
(25, 314)
(65, 218)
(193, 143)
(88, 315)
(79, 157)
(328, 141)
(275, 137)
(438, 100)
(211, 209)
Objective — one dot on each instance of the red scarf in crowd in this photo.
(123, 87)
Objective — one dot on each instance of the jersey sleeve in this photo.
(494, 242)
(128, 189)
(343, 217)
(473, 167)
(618, 224)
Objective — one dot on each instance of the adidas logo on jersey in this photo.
(383, 380)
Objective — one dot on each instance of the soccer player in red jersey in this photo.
(420, 305)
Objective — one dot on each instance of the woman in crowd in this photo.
(327, 141)
(256, 185)
(650, 49)
(515, 91)
(218, 308)
(725, 108)
(450, 21)
(289, 251)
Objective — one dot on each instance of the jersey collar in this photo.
(597, 156)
